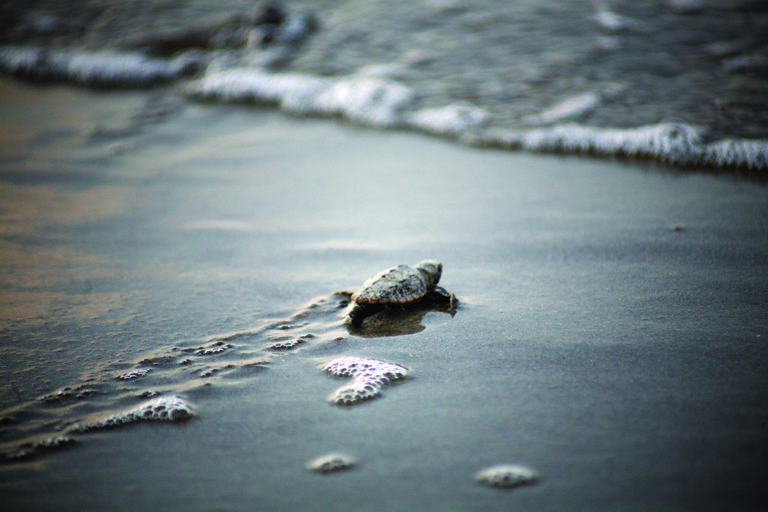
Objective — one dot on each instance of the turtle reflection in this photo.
(401, 320)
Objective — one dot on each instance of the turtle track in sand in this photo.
(153, 385)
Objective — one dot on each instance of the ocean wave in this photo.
(106, 69)
(371, 101)
(672, 143)
(374, 99)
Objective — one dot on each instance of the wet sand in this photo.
(611, 332)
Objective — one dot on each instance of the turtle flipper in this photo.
(440, 296)
(359, 312)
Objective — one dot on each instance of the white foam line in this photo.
(452, 120)
(371, 101)
(673, 143)
(94, 68)
(378, 101)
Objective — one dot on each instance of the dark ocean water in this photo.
(679, 81)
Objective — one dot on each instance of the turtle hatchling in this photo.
(399, 287)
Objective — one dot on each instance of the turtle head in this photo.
(431, 270)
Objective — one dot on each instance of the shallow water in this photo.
(610, 333)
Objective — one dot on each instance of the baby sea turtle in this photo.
(399, 287)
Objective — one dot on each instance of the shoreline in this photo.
(674, 144)
(662, 81)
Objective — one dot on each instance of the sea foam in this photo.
(373, 99)
(452, 120)
(30, 449)
(331, 462)
(673, 143)
(381, 102)
(507, 476)
(104, 68)
(164, 408)
(369, 376)
(363, 99)
(134, 374)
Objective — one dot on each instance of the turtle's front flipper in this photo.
(358, 313)
(443, 297)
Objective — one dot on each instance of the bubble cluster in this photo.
(212, 349)
(507, 476)
(55, 442)
(164, 408)
(69, 392)
(331, 462)
(369, 376)
(134, 374)
(290, 343)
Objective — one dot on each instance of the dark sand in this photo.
(612, 333)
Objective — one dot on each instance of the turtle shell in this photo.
(397, 285)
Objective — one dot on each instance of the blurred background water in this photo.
(512, 74)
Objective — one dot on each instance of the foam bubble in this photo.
(290, 343)
(331, 462)
(134, 374)
(104, 68)
(369, 376)
(69, 392)
(214, 348)
(164, 408)
(507, 476)
(55, 442)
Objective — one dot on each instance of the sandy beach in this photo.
(611, 332)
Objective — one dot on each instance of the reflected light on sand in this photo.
(39, 279)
